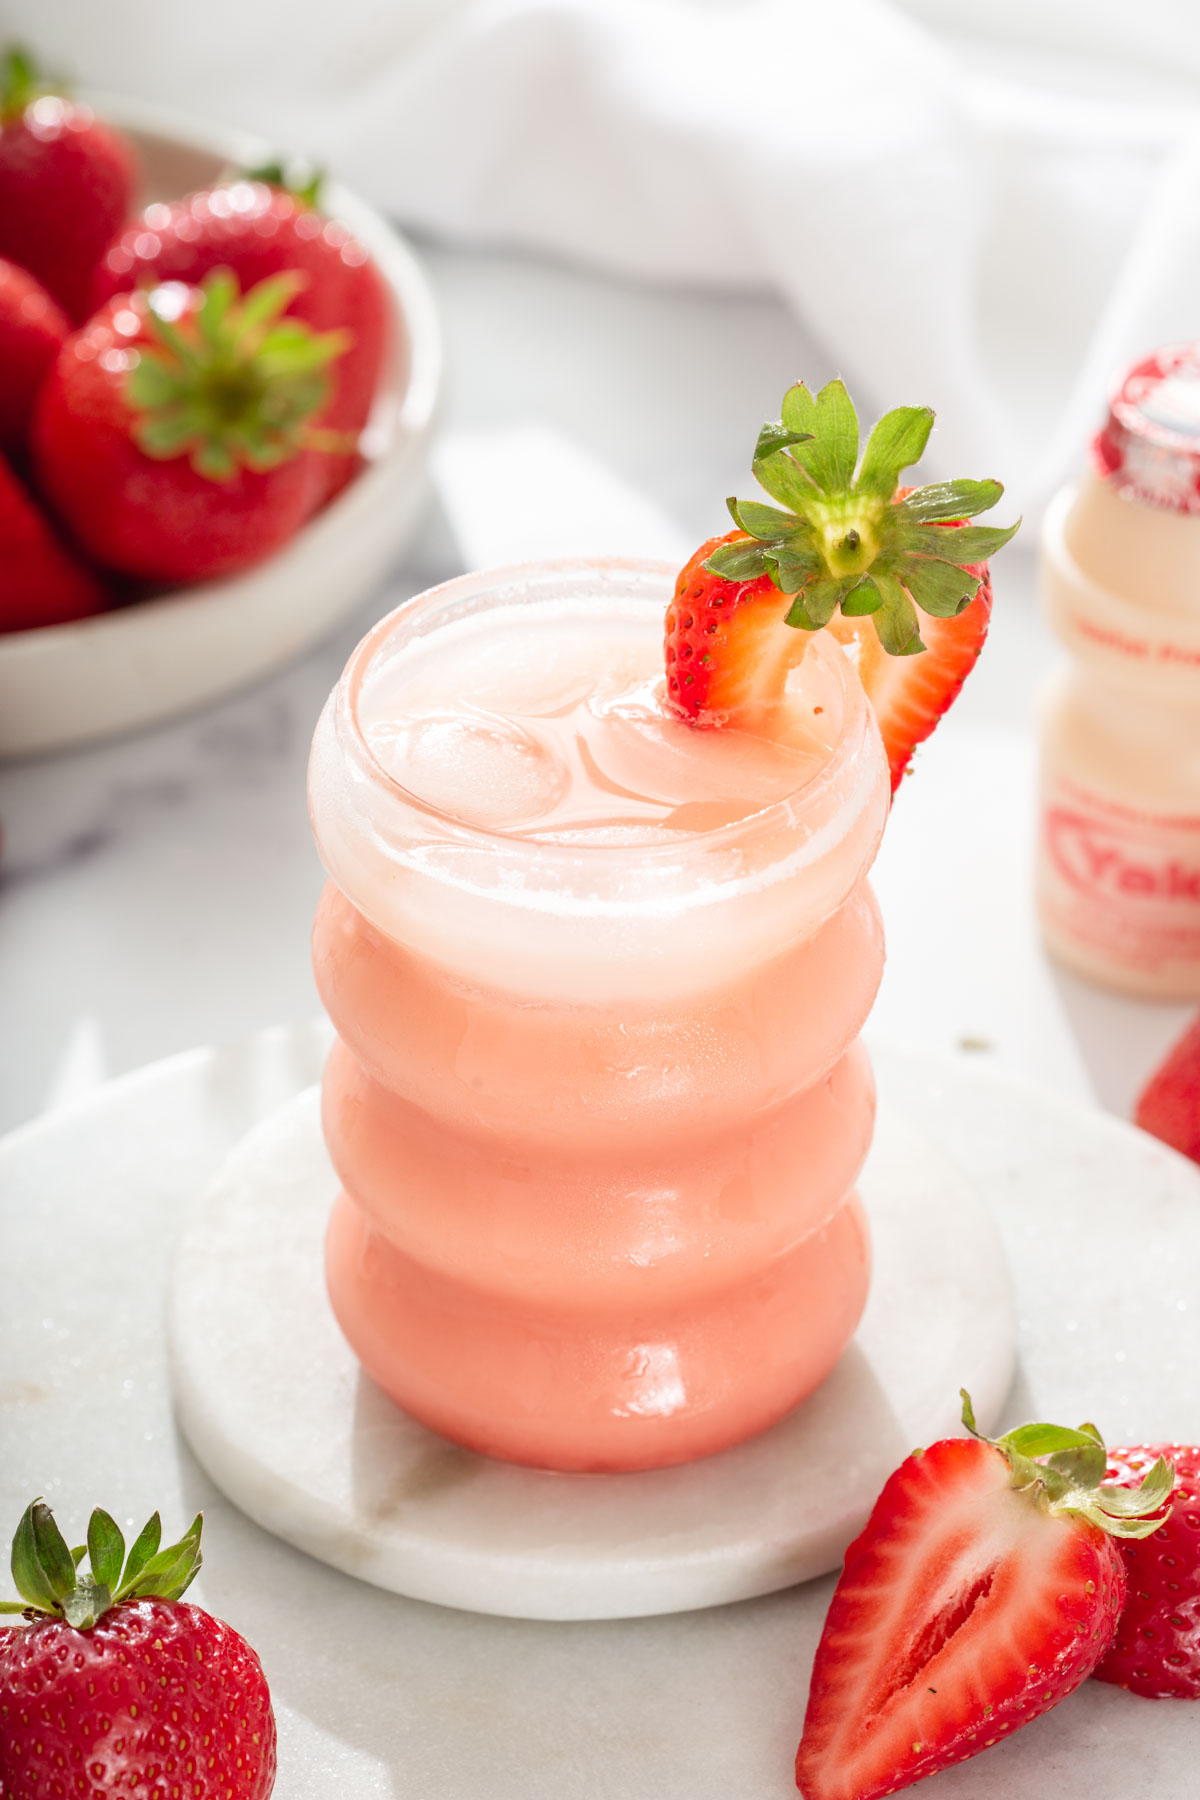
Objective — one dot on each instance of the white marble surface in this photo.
(157, 893)
(274, 1405)
(381, 1698)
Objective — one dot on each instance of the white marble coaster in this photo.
(277, 1410)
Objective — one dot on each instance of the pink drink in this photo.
(597, 1106)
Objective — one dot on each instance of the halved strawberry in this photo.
(857, 554)
(1169, 1104)
(985, 1588)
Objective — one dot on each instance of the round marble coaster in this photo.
(277, 1410)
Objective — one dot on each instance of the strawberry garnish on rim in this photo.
(985, 1588)
(856, 554)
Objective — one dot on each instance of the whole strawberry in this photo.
(1169, 1105)
(846, 550)
(1156, 1651)
(180, 434)
(259, 228)
(985, 1588)
(32, 330)
(66, 184)
(41, 581)
(114, 1685)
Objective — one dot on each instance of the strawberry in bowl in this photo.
(180, 433)
(854, 554)
(66, 183)
(260, 227)
(114, 1684)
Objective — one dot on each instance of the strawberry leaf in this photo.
(776, 436)
(145, 1545)
(793, 567)
(87, 1604)
(106, 1548)
(896, 442)
(863, 600)
(896, 618)
(940, 589)
(168, 1575)
(1060, 1469)
(272, 297)
(220, 293)
(785, 481)
(55, 1558)
(950, 500)
(231, 382)
(764, 522)
(737, 562)
(954, 543)
(301, 180)
(830, 453)
(821, 601)
(153, 381)
(29, 1578)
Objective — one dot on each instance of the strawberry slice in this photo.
(985, 1588)
(855, 553)
(1169, 1104)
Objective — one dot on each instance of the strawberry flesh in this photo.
(963, 1612)
(1156, 1650)
(1169, 1106)
(910, 693)
(729, 652)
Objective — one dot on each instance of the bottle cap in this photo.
(1149, 449)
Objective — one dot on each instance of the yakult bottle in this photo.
(1119, 866)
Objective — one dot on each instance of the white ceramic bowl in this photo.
(67, 684)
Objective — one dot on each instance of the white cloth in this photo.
(987, 223)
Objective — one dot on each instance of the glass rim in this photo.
(481, 582)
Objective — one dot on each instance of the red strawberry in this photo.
(853, 552)
(1157, 1647)
(32, 329)
(258, 230)
(117, 1687)
(986, 1586)
(66, 183)
(40, 581)
(1169, 1104)
(172, 434)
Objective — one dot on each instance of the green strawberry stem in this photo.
(1063, 1471)
(46, 1574)
(21, 82)
(840, 538)
(301, 179)
(235, 384)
